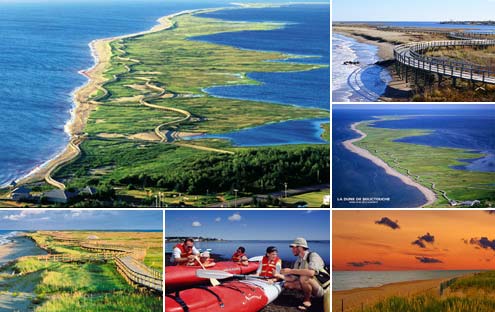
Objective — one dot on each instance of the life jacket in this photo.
(268, 268)
(184, 253)
(236, 257)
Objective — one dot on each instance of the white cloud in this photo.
(218, 219)
(235, 217)
(196, 223)
(309, 211)
(23, 214)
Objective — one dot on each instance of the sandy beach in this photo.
(101, 51)
(19, 247)
(354, 299)
(429, 194)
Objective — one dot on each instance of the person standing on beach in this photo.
(303, 274)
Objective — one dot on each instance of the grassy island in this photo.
(80, 272)
(151, 97)
(430, 166)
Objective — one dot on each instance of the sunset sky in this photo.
(413, 240)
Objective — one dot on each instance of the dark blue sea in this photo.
(354, 176)
(43, 46)
(258, 247)
(306, 33)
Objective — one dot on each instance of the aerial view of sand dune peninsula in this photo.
(422, 53)
(214, 106)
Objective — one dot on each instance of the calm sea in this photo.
(307, 33)
(43, 46)
(354, 176)
(345, 280)
(258, 247)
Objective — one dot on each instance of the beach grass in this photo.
(171, 60)
(121, 301)
(432, 304)
(429, 165)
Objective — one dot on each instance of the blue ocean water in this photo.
(43, 45)
(482, 28)
(363, 82)
(345, 280)
(354, 176)
(307, 131)
(308, 24)
(258, 248)
(6, 236)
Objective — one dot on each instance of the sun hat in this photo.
(299, 241)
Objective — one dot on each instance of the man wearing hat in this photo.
(302, 275)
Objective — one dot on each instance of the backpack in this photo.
(322, 276)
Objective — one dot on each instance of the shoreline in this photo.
(396, 89)
(354, 299)
(19, 246)
(348, 144)
(82, 106)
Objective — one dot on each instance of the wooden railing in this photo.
(412, 55)
(126, 260)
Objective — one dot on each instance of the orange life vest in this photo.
(268, 268)
(184, 253)
(236, 257)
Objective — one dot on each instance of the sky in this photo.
(249, 225)
(413, 240)
(35, 219)
(418, 10)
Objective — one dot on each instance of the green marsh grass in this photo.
(431, 304)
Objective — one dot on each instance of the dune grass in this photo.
(428, 165)
(121, 301)
(431, 304)
(171, 59)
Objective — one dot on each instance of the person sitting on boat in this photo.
(303, 275)
(270, 265)
(206, 260)
(185, 253)
(240, 256)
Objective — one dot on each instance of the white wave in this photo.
(7, 238)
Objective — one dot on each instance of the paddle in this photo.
(213, 281)
(217, 274)
(255, 259)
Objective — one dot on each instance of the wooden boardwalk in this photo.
(126, 259)
(411, 56)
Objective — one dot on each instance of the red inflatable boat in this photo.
(185, 276)
(234, 296)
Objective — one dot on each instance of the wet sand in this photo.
(19, 247)
(429, 194)
(355, 299)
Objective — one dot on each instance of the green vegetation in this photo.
(170, 70)
(124, 302)
(429, 166)
(465, 294)
(312, 199)
(432, 304)
(82, 285)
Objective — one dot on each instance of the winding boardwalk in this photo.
(411, 55)
(126, 259)
(73, 151)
